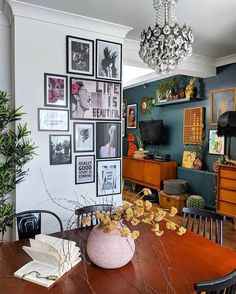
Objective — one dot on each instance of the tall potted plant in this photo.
(15, 151)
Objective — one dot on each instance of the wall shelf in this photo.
(176, 101)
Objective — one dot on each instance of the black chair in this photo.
(196, 218)
(223, 285)
(29, 222)
(90, 211)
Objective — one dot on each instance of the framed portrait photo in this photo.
(53, 120)
(94, 100)
(108, 140)
(109, 60)
(84, 169)
(80, 56)
(221, 101)
(132, 116)
(60, 149)
(83, 137)
(55, 90)
(216, 144)
(108, 177)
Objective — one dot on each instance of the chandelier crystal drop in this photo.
(167, 44)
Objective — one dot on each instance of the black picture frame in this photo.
(108, 60)
(94, 99)
(83, 137)
(132, 121)
(108, 138)
(60, 149)
(108, 177)
(55, 90)
(50, 119)
(83, 167)
(79, 56)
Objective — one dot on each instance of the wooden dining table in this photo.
(166, 264)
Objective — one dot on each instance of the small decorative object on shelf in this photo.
(111, 243)
(190, 89)
(195, 201)
(132, 146)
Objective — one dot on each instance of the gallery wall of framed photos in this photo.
(88, 94)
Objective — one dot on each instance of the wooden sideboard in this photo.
(148, 173)
(226, 192)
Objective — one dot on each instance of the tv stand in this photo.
(147, 172)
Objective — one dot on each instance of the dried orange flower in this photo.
(181, 231)
(135, 234)
(148, 205)
(135, 221)
(173, 211)
(147, 191)
(170, 225)
(124, 232)
(139, 202)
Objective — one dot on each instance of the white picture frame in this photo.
(53, 120)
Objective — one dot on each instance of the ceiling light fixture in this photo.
(165, 46)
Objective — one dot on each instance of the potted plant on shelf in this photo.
(165, 90)
(15, 151)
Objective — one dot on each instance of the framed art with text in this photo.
(94, 100)
(55, 90)
(53, 120)
(108, 140)
(80, 56)
(216, 144)
(83, 137)
(221, 101)
(84, 169)
(109, 60)
(108, 177)
(60, 149)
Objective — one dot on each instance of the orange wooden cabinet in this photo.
(148, 173)
(226, 192)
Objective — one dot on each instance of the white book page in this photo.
(44, 247)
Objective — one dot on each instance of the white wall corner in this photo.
(226, 60)
(7, 11)
(67, 19)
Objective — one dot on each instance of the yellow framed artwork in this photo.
(221, 101)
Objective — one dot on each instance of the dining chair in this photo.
(198, 220)
(90, 211)
(225, 284)
(29, 222)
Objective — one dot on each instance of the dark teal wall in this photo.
(172, 115)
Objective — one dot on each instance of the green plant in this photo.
(165, 87)
(195, 201)
(15, 151)
(139, 141)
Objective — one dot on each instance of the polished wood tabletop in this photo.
(167, 264)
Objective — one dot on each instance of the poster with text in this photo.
(95, 100)
(84, 169)
(108, 177)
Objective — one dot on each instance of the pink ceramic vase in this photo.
(109, 250)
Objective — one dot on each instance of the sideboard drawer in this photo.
(228, 174)
(227, 208)
(228, 195)
(228, 183)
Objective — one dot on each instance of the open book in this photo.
(52, 257)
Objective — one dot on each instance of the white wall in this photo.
(40, 47)
(5, 65)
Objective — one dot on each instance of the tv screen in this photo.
(152, 132)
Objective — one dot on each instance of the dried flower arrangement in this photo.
(136, 212)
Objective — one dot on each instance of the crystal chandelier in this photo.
(165, 46)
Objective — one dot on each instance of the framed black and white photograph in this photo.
(80, 56)
(60, 149)
(108, 140)
(84, 169)
(108, 177)
(83, 137)
(94, 100)
(55, 90)
(109, 57)
(123, 127)
(53, 120)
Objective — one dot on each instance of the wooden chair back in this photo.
(198, 220)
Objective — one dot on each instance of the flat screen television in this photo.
(152, 132)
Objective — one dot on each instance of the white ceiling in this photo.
(213, 21)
